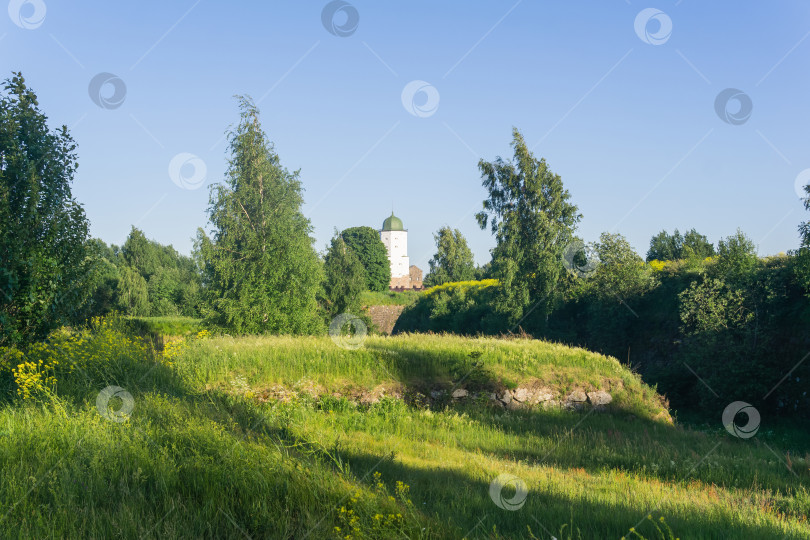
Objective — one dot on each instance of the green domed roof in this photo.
(392, 223)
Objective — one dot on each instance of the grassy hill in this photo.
(295, 437)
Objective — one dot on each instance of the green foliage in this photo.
(458, 307)
(45, 273)
(453, 260)
(529, 214)
(736, 257)
(710, 306)
(666, 247)
(388, 298)
(621, 272)
(803, 253)
(105, 278)
(804, 227)
(172, 280)
(366, 244)
(261, 272)
(606, 299)
(142, 278)
(344, 279)
(696, 245)
(133, 294)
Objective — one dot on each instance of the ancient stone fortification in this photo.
(526, 397)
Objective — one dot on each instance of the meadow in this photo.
(194, 444)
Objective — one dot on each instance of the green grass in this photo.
(388, 298)
(202, 457)
(418, 362)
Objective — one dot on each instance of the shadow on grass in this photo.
(589, 440)
(421, 370)
(466, 504)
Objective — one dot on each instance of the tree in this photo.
(804, 228)
(696, 245)
(621, 273)
(173, 280)
(736, 257)
(141, 254)
(261, 271)
(529, 214)
(104, 288)
(666, 247)
(345, 279)
(133, 295)
(802, 268)
(366, 244)
(44, 268)
(453, 260)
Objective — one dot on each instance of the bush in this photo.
(461, 307)
(72, 360)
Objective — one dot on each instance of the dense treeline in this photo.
(706, 331)
(255, 270)
(142, 278)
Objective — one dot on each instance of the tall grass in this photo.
(200, 457)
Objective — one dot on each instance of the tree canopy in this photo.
(344, 280)
(366, 244)
(44, 268)
(672, 247)
(261, 271)
(453, 260)
(529, 212)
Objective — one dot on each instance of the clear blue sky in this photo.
(630, 126)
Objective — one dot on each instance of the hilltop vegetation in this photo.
(194, 425)
(706, 331)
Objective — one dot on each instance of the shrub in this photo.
(462, 307)
(97, 353)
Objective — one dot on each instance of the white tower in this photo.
(395, 238)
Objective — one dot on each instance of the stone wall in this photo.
(403, 282)
(415, 274)
(413, 280)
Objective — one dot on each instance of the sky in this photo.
(679, 114)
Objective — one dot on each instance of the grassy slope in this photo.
(199, 457)
(418, 362)
(388, 298)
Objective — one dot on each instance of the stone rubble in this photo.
(519, 398)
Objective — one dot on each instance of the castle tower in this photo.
(395, 238)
